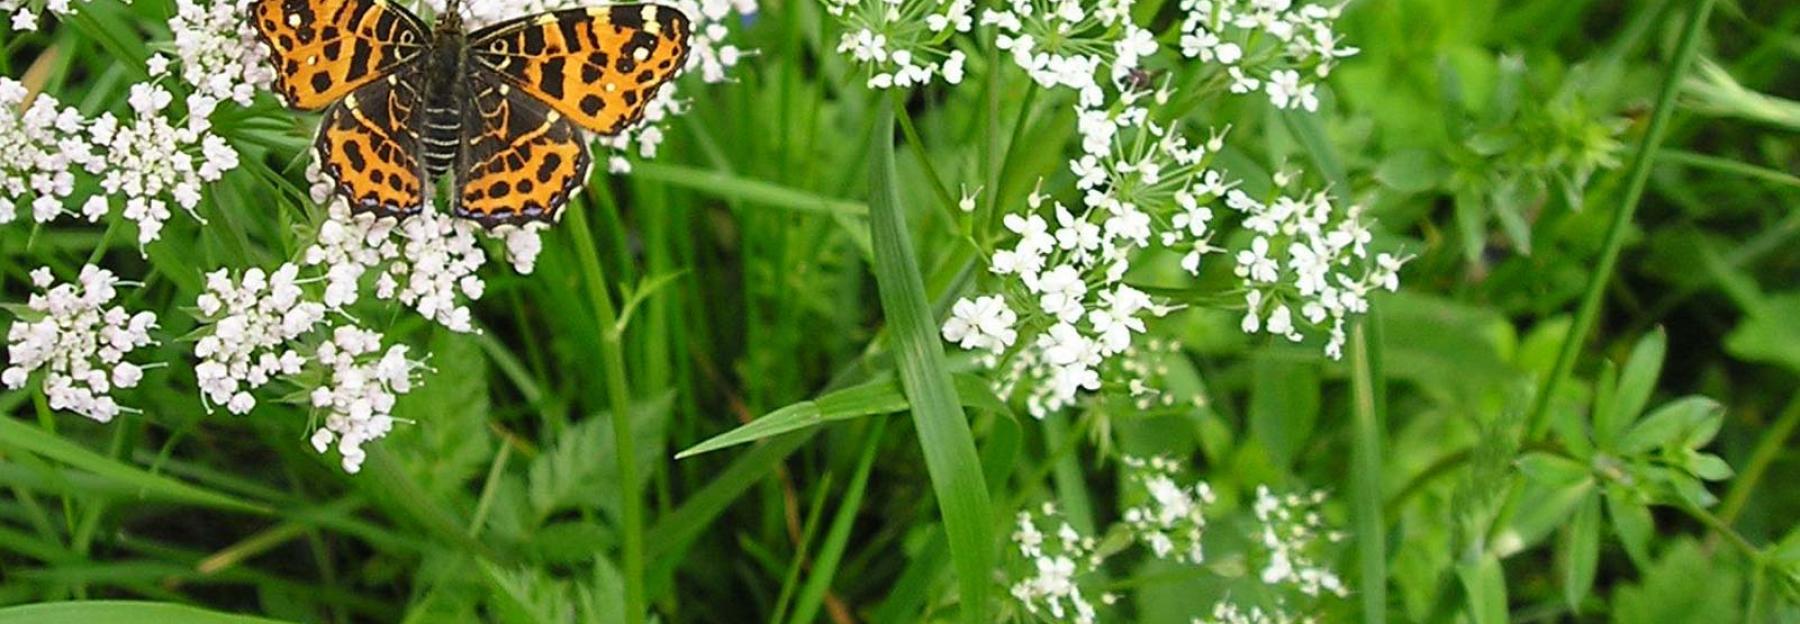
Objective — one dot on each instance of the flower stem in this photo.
(612, 358)
(1638, 175)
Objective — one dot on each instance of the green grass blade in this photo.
(1637, 177)
(728, 186)
(877, 397)
(1370, 529)
(812, 595)
(120, 612)
(944, 434)
(24, 437)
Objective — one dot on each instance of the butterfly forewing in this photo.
(597, 66)
(324, 49)
(521, 160)
(369, 144)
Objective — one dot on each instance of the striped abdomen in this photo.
(442, 136)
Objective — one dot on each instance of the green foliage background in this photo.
(759, 263)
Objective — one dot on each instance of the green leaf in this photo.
(831, 552)
(1631, 520)
(1709, 467)
(1581, 552)
(449, 442)
(1672, 423)
(1686, 586)
(1553, 470)
(882, 396)
(1484, 582)
(1284, 406)
(1412, 171)
(566, 476)
(24, 437)
(120, 612)
(944, 435)
(1636, 381)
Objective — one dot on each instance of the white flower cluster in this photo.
(905, 43)
(40, 145)
(1066, 42)
(149, 160)
(429, 261)
(1065, 315)
(1227, 612)
(219, 51)
(25, 14)
(1308, 265)
(1292, 530)
(79, 342)
(358, 396)
(1173, 519)
(1055, 561)
(261, 327)
(1280, 47)
(253, 320)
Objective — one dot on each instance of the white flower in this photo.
(149, 161)
(985, 323)
(79, 342)
(219, 51)
(363, 384)
(252, 321)
(1172, 522)
(1286, 91)
(41, 147)
(1060, 293)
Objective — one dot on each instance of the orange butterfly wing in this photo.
(324, 49)
(521, 160)
(369, 144)
(598, 66)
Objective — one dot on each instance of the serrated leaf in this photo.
(1669, 424)
(448, 443)
(1636, 381)
(575, 473)
(1581, 552)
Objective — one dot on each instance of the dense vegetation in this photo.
(1152, 310)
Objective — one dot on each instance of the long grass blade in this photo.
(949, 446)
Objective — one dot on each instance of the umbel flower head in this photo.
(80, 342)
(904, 43)
(41, 148)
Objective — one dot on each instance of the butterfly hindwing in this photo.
(521, 160)
(324, 49)
(369, 145)
(598, 66)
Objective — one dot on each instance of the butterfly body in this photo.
(501, 110)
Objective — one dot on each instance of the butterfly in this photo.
(501, 109)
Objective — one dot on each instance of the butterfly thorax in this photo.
(444, 94)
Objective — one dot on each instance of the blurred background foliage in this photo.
(1489, 138)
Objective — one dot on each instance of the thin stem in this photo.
(1371, 540)
(617, 393)
(1615, 233)
(1769, 448)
